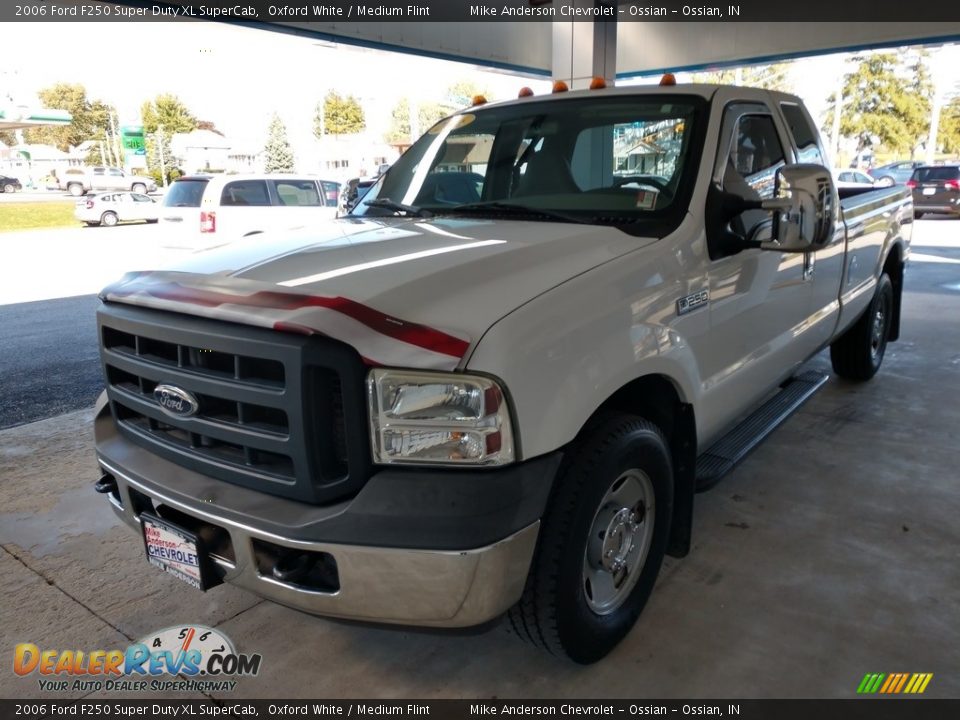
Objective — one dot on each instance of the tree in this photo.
(768, 77)
(915, 105)
(208, 125)
(8, 138)
(163, 116)
(279, 154)
(338, 115)
(399, 130)
(461, 94)
(874, 110)
(949, 136)
(91, 118)
(169, 112)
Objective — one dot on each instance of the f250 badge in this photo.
(176, 402)
(692, 302)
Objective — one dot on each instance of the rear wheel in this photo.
(109, 218)
(75, 189)
(602, 541)
(858, 353)
(885, 181)
(9, 188)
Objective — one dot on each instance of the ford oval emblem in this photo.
(176, 402)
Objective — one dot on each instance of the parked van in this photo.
(209, 209)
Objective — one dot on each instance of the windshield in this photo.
(613, 159)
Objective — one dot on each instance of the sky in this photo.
(237, 77)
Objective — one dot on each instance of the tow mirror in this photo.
(804, 209)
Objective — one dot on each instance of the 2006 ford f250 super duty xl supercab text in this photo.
(495, 386)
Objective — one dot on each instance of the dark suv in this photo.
(936, 189)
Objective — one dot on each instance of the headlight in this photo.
(438, 418)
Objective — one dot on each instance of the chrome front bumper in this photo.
(386, 585)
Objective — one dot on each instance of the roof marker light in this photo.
(478, 100)
(668, 79)
(598, 83)
(525, 92)
(560, 86)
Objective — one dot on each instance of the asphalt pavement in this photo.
(48, 358)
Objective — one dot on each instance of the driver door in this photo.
(760, 300)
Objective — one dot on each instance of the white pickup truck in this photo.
(471, 399)
(81, 180)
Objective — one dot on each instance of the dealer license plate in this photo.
(929, 191)
(174, 550)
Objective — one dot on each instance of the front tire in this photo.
(602, 541)
(858, 353)
(75, 189)
(9, 188)
(139, 188)
(109, 219)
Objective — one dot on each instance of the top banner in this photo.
(350, 11)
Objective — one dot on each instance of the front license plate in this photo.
(929, 191)
(174, 550)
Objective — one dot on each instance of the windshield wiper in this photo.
(388, 204)
(514, 208)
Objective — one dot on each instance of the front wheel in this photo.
(858, 353)
(602, 541)
(139, 188)
(9, 188)
(109, 219)
(75, 189)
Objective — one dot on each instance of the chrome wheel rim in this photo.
(619, 542)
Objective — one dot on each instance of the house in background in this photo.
(200, 151)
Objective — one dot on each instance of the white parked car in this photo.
(850, 178)
(209, 209)
(111, 208)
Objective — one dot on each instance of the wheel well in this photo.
(893, 266)
(655, 398)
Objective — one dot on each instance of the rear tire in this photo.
(858, 353)
(109, 219)
(9, 188)
(75, 189)
(602, 541)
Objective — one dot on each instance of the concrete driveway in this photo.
(832, 551)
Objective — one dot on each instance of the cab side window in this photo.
(747, 164)
(804, 135)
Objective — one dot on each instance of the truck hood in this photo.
(410, 293)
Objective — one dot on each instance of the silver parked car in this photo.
(111, 208)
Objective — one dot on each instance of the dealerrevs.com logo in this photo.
(206, 657)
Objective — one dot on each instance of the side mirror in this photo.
(804, 209)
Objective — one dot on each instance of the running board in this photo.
(733, 447)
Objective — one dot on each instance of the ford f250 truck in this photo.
(471, 399)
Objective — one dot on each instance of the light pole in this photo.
(163, 163)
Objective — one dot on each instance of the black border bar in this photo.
(354, 11)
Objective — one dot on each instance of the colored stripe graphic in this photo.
(894, 683)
